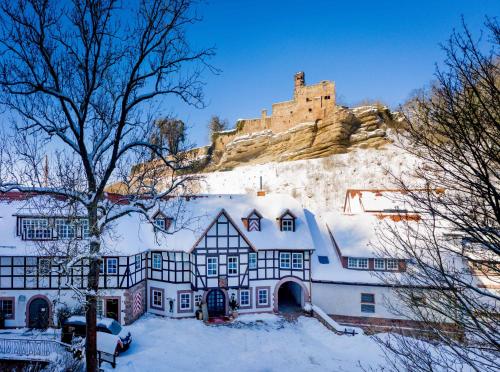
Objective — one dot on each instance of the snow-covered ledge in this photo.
(332, 324)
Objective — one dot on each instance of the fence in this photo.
(28, 349)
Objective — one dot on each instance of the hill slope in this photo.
(319, 184)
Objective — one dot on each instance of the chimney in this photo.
(261, 192)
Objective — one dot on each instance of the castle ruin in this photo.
(309, 104)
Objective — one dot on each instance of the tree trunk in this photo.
(91, 297)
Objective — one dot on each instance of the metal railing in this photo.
(12, 348)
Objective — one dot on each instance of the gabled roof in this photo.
(285, 213)
(253, 212)
(133, 234)
(222, 213)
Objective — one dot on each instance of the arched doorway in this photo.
(38, 313)
(290, 295)
(216, 303)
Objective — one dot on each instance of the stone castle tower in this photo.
(309, 104)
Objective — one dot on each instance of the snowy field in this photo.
(252, 343)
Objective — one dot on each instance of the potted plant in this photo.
(234, 305)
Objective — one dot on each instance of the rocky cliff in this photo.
(342, 131)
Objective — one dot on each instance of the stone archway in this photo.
(304, 293)
(38, 312)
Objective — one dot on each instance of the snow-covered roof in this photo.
(132, 233)
(326, 264)
(198, 213)
(376, 201)
(353, 234)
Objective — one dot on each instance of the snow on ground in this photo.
(319, 184)
(262, 342)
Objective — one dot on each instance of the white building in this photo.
(264, 252)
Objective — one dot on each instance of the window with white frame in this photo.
(357, 263)
(262, 296)
(157, 298)
(392, 264)
(101, 267)
(44, 266)
(286, 224)
(232, 265)
(7, 308)
(367, 303)
(111, 265)
(138, 261)
(36, 228)
(65, 228)
(212, 266)
(297, 261)
(85, 228)
(157, 261)
(100, 307)
(185, 301)
(245, 297)
(284, 260)
(252, 260)
(379, 264)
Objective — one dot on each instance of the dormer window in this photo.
(161, 221)
(287, 221)
(252, 222)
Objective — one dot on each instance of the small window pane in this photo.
(379, 264)
(392, 264)
(368, 297)
(212, 266)
(245, 298)
(232, 265)
(262, 297)
(185, 301)
(297, 261)
(252, 260)
(367, 308)
(112, 265)
(284, 260)
(157, 261)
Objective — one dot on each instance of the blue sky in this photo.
(379, 50)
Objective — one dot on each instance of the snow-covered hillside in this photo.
(319, 184)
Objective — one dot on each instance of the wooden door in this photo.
(38, 314)
(216, 303)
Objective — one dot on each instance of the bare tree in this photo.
(81, 80)
(170, 133)
(453, 274)
(216, 124)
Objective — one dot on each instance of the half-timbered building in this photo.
(251, 249)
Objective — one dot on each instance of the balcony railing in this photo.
(28, 349)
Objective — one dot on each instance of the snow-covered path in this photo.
(253, 343)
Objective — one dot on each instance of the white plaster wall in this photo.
(66, 297)
(346, 299)
(22, 298)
